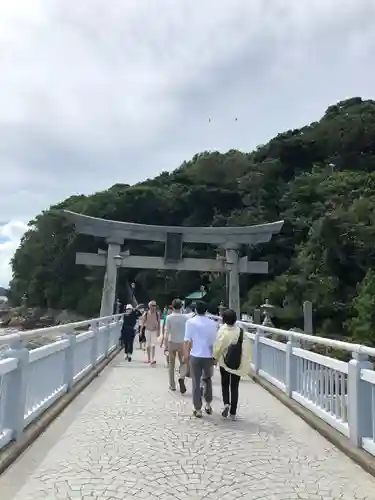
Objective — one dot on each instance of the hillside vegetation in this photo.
(320, 179)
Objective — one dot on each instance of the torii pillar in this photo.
(110, 277)
(232, 261)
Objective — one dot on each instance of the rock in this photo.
(16, 321)
(36, 323)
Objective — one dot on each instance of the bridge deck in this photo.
(126, 437)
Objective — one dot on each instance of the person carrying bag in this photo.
(232, 351)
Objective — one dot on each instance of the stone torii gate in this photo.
(116, 233)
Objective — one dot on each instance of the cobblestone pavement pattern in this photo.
(135, 440)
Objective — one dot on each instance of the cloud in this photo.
(96, 92)
(10, 237)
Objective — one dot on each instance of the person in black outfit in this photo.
(128, 330)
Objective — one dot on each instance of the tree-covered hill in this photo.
(320, 179)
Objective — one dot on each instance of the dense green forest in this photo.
(320, 179)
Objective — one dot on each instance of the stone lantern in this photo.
(221, 308)
(268, 311)
(24, 307)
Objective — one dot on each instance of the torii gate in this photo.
(116, 233)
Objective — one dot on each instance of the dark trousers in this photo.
(229, 388)
(201, 368)
(127, 340)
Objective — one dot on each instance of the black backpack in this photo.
(234, 353)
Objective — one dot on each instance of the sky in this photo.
(99, 92)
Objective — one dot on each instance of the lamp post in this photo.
(132, 286)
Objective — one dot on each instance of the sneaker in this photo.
(126, 357)
(225, 411)
(208, 409)
(182, 385)
(129, 358)
(197, 413)
(153, 362)
(147, 362)
(233, 417)
(172, 388)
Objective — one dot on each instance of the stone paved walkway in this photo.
(136, 440)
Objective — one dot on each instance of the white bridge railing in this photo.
(340, 393)
(31, 381)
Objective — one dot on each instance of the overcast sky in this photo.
(95, 92)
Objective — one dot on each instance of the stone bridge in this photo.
(125, 436)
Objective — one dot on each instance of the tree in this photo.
(362, 326)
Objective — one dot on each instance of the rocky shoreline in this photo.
(17, 319)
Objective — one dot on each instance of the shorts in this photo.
(151, 338)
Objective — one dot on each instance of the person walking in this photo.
(151, 326)
(232, 351)
(173, 340)
(141, 331)
(128, 330)
(200, 335)
(167, 311)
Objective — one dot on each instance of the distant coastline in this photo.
(8, 330)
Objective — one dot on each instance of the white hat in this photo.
(129, 306)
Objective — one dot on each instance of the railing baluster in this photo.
(321, 387)
(326, 390)
(342, 397)
(316, 381)
(337, 390)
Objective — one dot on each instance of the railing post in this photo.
(16, 389)
(257, 316)
(307, 317)
(291, 368)
(116, 333)
(69, 361)
(119, 327)
(359, 400)
(94, 346)
(256, 351)
(108, 332)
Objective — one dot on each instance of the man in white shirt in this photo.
(200, 335)
(173, 339)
